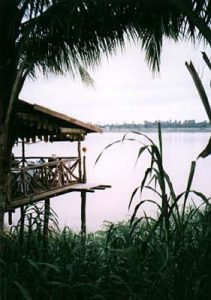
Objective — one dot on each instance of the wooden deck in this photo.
(39, 196)
(38, 179)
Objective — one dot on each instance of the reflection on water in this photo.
(117, 167)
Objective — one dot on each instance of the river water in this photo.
(117, 167)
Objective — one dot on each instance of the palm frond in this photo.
(59, 33)
(71, 35)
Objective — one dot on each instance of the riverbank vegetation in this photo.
(162, 257)
(120, 262)
(63, 36)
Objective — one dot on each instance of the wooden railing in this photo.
(39, 177)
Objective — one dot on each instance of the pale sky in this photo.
(126, 90)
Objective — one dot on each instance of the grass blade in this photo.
(189, 184)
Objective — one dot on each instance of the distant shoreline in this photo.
(167, 126)
(155, 130)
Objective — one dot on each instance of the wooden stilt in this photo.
(46, 218)
(22, 210)
(22, 220)
(23, 153)
(10, 217)
(83, 196)
(83, 212)
(84, 165)
(80, 164)
(30, 224)
(45, 228)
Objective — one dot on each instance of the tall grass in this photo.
(165, 257)
(116, 263)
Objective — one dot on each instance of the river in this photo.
(117, 167)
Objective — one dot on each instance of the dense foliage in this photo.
(60, 36)
(120, 262)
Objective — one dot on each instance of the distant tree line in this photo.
(164, 124)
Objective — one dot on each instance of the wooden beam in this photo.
(38, 121)
(71, 137)
(47, 157)
(40, 197)
(65, 130)
(55, 114)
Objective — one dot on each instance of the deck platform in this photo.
(77, 187)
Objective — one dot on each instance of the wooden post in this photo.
(79, 156)
(22, 220)
(84, 165)
(23, 153)
(83, 196)
(22, 211)
(10, 217)
(29, 228)
(45, 228)
(83, 212)
(46, 218)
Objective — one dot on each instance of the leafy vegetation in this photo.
(162, 257)
(121, 262)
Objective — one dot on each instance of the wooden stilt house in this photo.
(40, 178)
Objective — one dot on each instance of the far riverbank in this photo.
(144, 129)
(167, 126)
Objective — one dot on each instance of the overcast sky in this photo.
(126, 90)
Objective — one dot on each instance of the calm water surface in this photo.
(117, 167)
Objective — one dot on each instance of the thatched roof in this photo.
(33, 121)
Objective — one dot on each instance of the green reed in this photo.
(116, 263)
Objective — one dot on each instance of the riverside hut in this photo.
(40, 178)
